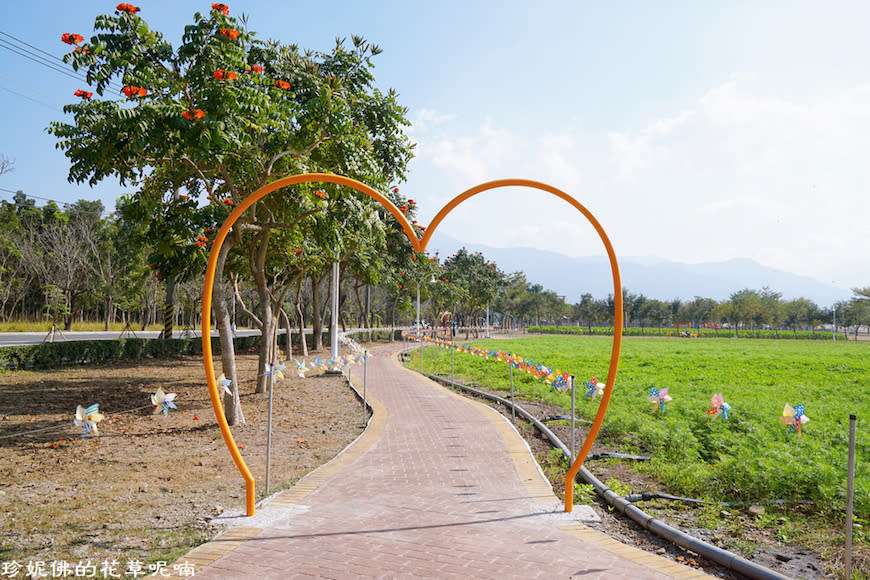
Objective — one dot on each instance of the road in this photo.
(18, 338)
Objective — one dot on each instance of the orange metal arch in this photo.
(617, 306)
(207, 294)
(419, 244)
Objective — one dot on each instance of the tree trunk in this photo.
(108, 313)
(317, 322)
(341, 317)
(288, 352)
(267, 345)
(223, 321)
(300, 317)
(68, 317)
(169, 308)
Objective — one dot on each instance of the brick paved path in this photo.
(438, 487)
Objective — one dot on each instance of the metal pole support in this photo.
(365, 382)
(269, 427)
(850, 488)
(513, 405)
(573, 454)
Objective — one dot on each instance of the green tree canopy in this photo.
(209, 122)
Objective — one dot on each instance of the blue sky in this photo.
(694, 131)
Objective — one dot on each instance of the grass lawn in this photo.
(748, 458)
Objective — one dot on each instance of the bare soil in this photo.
(148, 487)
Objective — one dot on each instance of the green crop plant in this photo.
(750, 457)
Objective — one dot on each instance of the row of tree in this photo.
(75, 263)
(194, 130)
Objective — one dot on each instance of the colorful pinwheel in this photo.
(594, 388)
(659, 397)
(793, 417)
(719, 407)
(275, 371)
(164, 400)
(300, 368)
(223, 384)
(88, 418)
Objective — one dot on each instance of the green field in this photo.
(749, 457)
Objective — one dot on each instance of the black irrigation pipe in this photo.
(623, 506)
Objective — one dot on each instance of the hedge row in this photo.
(76, 352)
(377, 335)
(695, 332)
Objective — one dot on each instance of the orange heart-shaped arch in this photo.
(419, 245)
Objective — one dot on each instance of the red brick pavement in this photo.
(441, 493)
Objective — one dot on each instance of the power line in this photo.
(32, 89)
(50, 61)
(56, 202)
(31, 46)
(22, 52)
(37, 101)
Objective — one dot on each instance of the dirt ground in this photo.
(148, 486)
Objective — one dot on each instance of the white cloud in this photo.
(471, 159)
(556, 162)
(750, 174)
(425, 119)
(741, 173)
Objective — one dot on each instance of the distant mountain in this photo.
(652, 277)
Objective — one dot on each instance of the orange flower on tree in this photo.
(81, 49)
(230, 33)
(297, 251)
(70, 38)
(128, 8)
(134, 91)
(224, 75)
(320, 193)
(191, 115)
(403, 208)
(283, 85)
(257, 69)
(229, 202)
(221, 8)
(84, 94)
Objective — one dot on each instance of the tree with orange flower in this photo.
(178, 128)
